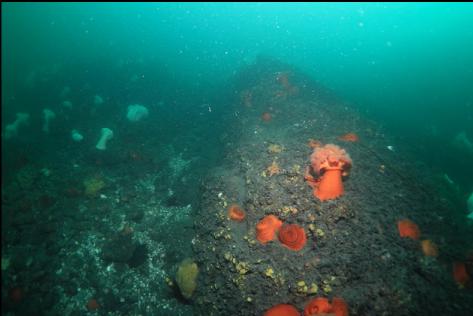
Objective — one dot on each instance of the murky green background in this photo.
(409, 66)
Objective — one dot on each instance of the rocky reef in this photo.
(352, 249)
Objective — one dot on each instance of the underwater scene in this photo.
(243, 159)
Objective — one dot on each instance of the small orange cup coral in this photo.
(313, 143)
(350, 137)
(339, 307)
(321, 306)
(266, 116)
(92, 304)
(318, 306)
(236, 213)
(267, 228)
(460, 275)
(429, 248)
(282, 310)
(331, 163)
(292, 236)
(408, 229)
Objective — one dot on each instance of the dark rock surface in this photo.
(353, 248)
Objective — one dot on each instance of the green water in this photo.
(408, 65)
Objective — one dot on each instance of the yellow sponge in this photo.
(186, 277)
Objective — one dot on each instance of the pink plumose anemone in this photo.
(330, 162)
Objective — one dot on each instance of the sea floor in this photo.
(353, 249)
(104, 233)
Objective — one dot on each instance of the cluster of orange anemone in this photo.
(330, 162)
(291, 236)
(409, 229)
(236, 213)
(318, 306)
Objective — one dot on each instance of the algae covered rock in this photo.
(26, 177)
(186, 277)
(93, 186)
(119, 248)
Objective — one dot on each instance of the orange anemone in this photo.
(408, 229)
(313, 143)
(460, 274)
(331, 163)
(92, 304)
(318, 306)
(282, 310)
(292, 236)
(429, 248)
(339, 307)
(321, 306)
(236, 213)
(267, 227)
(266, 116)
(350, 137)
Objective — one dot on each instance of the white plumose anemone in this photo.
(11, 129)
(106, 135)
(48, 116)
(136, 112)
(76, 136)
